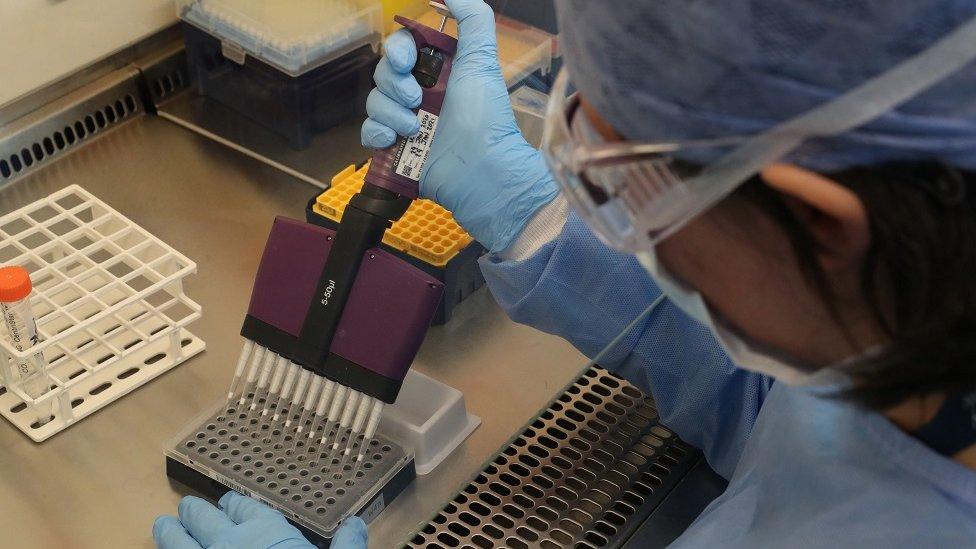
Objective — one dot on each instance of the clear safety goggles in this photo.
(635, 194)
(632, 194)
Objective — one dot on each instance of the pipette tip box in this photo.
(297, 67)
(226, 448)
(426, 236)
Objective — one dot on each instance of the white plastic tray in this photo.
(430, 418)
(109, 302)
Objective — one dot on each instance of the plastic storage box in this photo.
(297, 67)
(429, 417)
(426, 236)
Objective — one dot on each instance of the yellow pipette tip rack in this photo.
(426, 231)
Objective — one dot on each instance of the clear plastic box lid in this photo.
(292, 35)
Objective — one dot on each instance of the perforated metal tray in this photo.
(583, 473)
(231, 449)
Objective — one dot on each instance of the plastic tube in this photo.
(340, 399)
(15, 305)
(357, 424)
(344, 422)
(280, 368)
(293, 370)
(267, 366)
(313, 393)
(246, 350)
(374, 422)
(328, 390)
(254, 366)
(296, 399)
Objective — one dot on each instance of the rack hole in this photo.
(527, 534)
(513, 511)
(545, 513)
(459, 529)
(557, 503)
(509, 479)
(448, 539)
(493, 531)
(128, 373)
(523, 501)
(563, 538)
(469, 519)
(490, 499)
(100, 388)
(542, 481)
(595, 539)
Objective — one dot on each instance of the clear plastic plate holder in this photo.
(109, 303)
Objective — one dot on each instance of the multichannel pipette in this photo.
(334, 321)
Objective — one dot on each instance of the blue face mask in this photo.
(745, 355)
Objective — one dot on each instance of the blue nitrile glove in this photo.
(480, 167)
(242, 522)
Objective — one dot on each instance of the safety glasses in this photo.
(632, 194)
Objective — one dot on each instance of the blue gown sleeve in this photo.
(580, 289)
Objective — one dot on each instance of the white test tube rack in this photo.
(109, 302)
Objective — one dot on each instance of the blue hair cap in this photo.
(670, 70)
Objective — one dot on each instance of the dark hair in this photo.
(918, 277)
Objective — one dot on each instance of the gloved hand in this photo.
(242, 523)
(480, 167)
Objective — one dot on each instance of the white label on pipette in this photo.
(412, 156)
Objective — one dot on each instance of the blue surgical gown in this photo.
(804, 469)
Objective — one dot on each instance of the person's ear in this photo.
(833, 215)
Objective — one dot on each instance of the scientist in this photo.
(799, 179)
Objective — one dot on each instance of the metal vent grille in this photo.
(168, 84)
(584, 473)
(37, 138)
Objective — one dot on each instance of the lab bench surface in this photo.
(101, 482)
